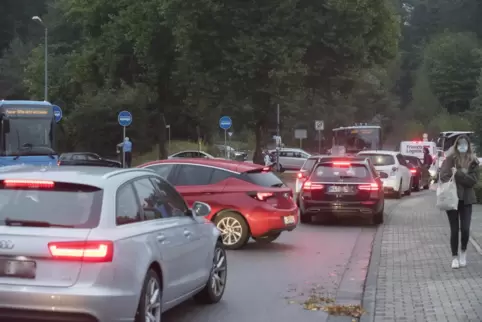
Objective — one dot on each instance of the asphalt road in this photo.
(274, 283)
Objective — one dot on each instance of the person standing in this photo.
(464, 166)
(126, 147)
(427, 158)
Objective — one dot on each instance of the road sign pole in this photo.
(225, 144)
(123, 148)
(300, 143)
(277, 140)
(319, 141)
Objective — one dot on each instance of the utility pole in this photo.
(46, 55)
(278, 140)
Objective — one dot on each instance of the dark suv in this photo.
(342, 186)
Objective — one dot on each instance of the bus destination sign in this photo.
(27, 112)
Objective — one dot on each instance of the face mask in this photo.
(463, 147)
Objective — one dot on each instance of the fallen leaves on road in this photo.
(355, 311)
(316, 301)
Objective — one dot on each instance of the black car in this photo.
(342, 186)
(87, 159)
(420, 174)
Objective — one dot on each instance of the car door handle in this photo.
(187, 233)
(161, 238)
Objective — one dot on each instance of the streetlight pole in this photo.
(168, 127)
(46, 55)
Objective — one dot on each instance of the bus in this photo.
(353, 139)
(446, 139)
(27, 133)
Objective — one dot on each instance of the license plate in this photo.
(23, 269)
(338, 189)
(289, 220)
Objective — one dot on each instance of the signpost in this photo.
(319, 126)
(57, 113)
(125, 119)
(230, 134)
(301, 134)
(225, 123)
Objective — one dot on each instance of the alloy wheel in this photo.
(231, 230)
(218, 274)
(153, 301)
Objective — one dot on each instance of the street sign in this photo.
(225, 123)
(57, 113)
(301, 134)
(319, 125)
(230, 134)
(124, 118)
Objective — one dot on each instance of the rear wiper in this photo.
(346, 177)
(32, 223)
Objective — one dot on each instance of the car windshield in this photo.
(380, 159)
(29, 136)
(71, 205)
(334, 172)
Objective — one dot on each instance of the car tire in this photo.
(211, 293)
(427, 186)
(267, 239)
(378, 217)
(399, 193)
(409, 191)
(145, 305)
(237, 223)
(417, 187)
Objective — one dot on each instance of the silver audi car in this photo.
(102, 244)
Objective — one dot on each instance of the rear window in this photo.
(265, 179)
(64, 204)
(308, 165)
(413, 160)
(333, 172)
(380, 159)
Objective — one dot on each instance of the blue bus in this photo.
(27, 133)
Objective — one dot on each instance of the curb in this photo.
(476, 245)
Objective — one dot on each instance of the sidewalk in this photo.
(410, 278)
(476, 225)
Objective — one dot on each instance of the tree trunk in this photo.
(162, 151)
(258, 153)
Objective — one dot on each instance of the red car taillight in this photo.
(86, 251)
(374, 189)
(308, 185)
(261, 196)
(413, 171)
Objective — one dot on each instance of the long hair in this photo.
(463, 160)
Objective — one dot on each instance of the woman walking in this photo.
(463, 164)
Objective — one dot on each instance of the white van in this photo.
(415, 148)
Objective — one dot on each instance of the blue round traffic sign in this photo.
(57, 113)
(124, 118)
(225, 122)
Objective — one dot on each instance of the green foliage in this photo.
(453, 62)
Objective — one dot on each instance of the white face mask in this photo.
(463, 147)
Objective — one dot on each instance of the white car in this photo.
(305, 171)
(291, 159)
(191, 154)
(393, 170)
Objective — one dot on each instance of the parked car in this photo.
(191, 154)
(291, 159)
(393, 170)
(87, 159)
(306, 170)
(102, 244)
(247, 200)
(233, 153)
(341, 186)
(420, 174)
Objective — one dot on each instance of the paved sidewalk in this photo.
(410, 278)
(476, 225)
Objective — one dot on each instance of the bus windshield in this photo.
(358, 139)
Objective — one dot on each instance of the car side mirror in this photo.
(200, 209)
(383, 175)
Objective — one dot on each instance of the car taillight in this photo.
(413, 170)
(308, 185)
(86, 251)
(342, 163)
(301, 175)
(369, 187)
(35, 184)
(261, 196)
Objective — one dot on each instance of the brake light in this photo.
(342, 163)
(261, 196)
(413, 170)
(87, 251)
(266, 169)
(369, 187)
(308, 185)
(28, 184)
(300, 175)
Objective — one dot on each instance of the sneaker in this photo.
(455, 263)
(463, 259)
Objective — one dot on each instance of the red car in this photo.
(247, 200)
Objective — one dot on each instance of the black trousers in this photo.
(459, 220)
(128, 159)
